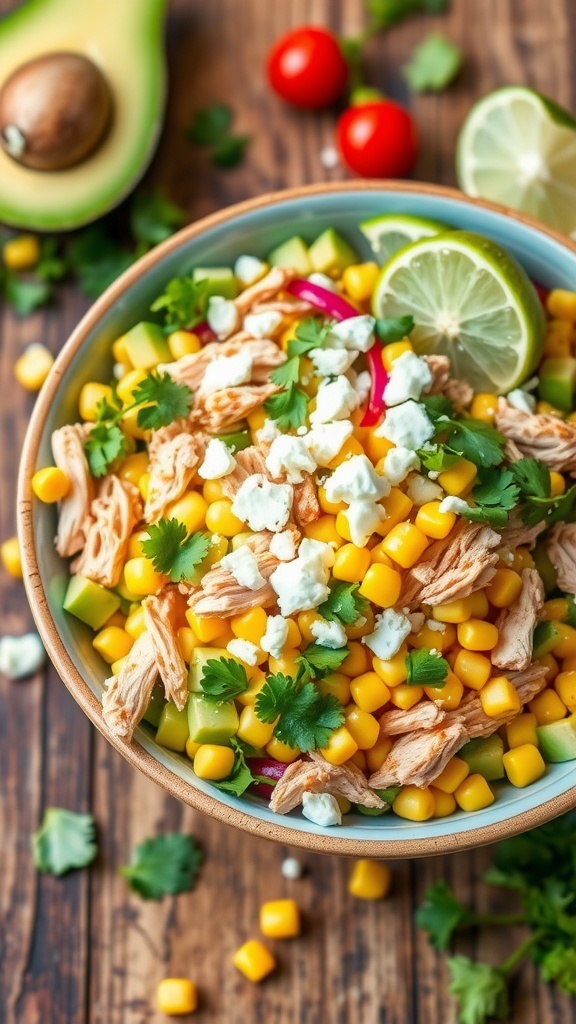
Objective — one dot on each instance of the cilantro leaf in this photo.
(287, 373)
(154, 217)
(494, 495)
(171, 551)
(532, 478)
(210, 124)
(436, 458)
(344, 603)
(480, 989)
(51, 266)
(306, 718)
(65, 840)
(183, 301)
(317, 661)
(165, 401)
(240, 777)
(104, 444)
(476, 441)
(25, 294)
(426, 669)
(288, 408)
(310, 334)
(164, 866)
(97, 259)
(433, 64)
(440, 915)
(394, 328)
(230, 152)
(275, 696)
(438, 408)
(223, 679)
(559, 965)
(494, 517)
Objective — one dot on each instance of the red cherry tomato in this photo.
(377, 140)
(306, 67)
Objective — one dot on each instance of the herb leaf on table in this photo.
(164, 866)
(65, 840)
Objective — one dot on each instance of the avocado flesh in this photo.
(292, 253)
(558, 382)
(484, 757)
(330, 253)
(545, 637)
(90, 602)
(156, 705)
(211, 723)
(125, 40)
(200, 657)
(146, 346)
(172, 729)
(217, 281)
(557, 740)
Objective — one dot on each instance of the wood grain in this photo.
(82, 950)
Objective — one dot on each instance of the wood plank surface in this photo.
(82, 950)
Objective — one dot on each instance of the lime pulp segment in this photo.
(390, 232)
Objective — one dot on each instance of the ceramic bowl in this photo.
(255, 227)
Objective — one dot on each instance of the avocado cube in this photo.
(558, 382)
(155, 707)
(484, 757)
(330, 253)
(557, 740)
(172, 729)
(237, 441)
(211, 723)
(146, 346)
(292, 253)
(200, 657)
(217, 281)
(90, 602)
(545, 568)
(544, 641)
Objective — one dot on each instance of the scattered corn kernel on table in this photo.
(82, 948)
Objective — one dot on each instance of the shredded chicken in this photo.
(114, 513)
(423, 715)
(248, 461)
(439, 367)
(160, 620)
(265, 354)
(171, 471)
(305, 507)
(516, 534)
(478, 724)
(225, 407)
(318, 776)
(540, 436)
(561, 546)
(420, 757)
(516, 624)
(221, 594)
(453, 568)
(74, 513)
(264, 290)
(460, 392)
(126, 696)
(286, 306)
(183, 425)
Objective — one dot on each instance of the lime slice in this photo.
(470, 301)
(519, 148)
(390, 232)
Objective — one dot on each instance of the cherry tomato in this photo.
(306, 67)
(377, 140)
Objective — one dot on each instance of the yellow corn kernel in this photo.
(141, 578)
(459, 478)
(397, 507)
(548, 661)
(280, 919)
(504, 588)
(555, 608)
(568, 665)
(251, 730)
(565, 646)
(547, 707)
(376, 448)
(128, 384)
(453, 775)
(21, 253)
(136, 543)
(447, 697)
(190, 509)
(250, 626)
(33, 366)
(565, 686)
(294, 635)
(212, 491)
(369, 691)
(395, 349)
(523, 765)
(91, 394)
(324, 529)
(256, 680)
(377, 554)
(359, 759)
(50, 484)
(336, 684)
(454, 612)
(213, 762)
(116, 619)
(187, 641)
(183, 343)
(561, 304)
(176, 997)
(433, 522)
(377, 754)
(351, 563)
(144, 486)
(350, 447)
(484, 406)
(521, 730)
(359, 280)
(549, 410)
(444, 803)
(428, 638)
(305, 622)
(369, 880)
(405, 544)
(112, 643)
(120, 352)
(331, 507)
(476, 635)
(254, 960)
(134, 467)
(280, 751)
(405, 696)
(356, 661)
(360, 629)
(287, 663)
(414, 804)
(341, 747)
(474, 794)
(393, 671)
(221, 519)
(130, 426)
(499, 697)
(557, 484)
(135, 624)
(11, 560)
(206, 627)
(343, 526)
(192, 748)
(558, 339)
(381, 584)
(116, 666)
(363, 728)
(472, 668)
(521, 559)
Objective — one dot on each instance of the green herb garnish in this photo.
(344, 604)
(65, 840)
(223, 679)
(317, 661)
(426, 669)
(212, 127)
(183, 301)
(306, 718)
(172, 552)
(393, 328)
(433, 64)
(164, 866)
(288, 408)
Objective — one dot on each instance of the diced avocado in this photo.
(155, 707)
(237, 441)
(292, 253)
(558, 382)
(90, 602)
(201, 655)
(217, 281)
(331, 253)
(146, 346)
(545, 568)
(211, 723)
(172, 729)
(557, 740)
(371, 812)
(545, 637)
(484, 757)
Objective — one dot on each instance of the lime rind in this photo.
(387, 233)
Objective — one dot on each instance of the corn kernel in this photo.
(369, 880)
(280, 919)
(444, 803)
(556, 608)
(135, 624)
(359, 628)
(397, 507)
(33, 366)
(50, 484)
(521, 559)
(116, 619)
(190, 509)
(141, 578)
(341, 746)
(476, 635)
(433, 522)
(330, 507)
(144, 486)
(414, 804)
(447, 697)
(406, 696)
(548, 661)
(206, 627)
(474, 794)
(288, 663)
(280, 751)
(382, 585)
(484, 406)
(128, 384)
(357, 661)
(453, 775)
(213, 762)
(393, 351)
(362, 726)
(251, 730)
(116, 666)
(359, 280)
(547, 707)
(427, 638)
(251, 625)
(187, 641)
(522, 730)
(221, 519)
(177, 997)
(112, 643)
(561, 304)
(405, 544)
(459, 478)
(558, 339)
(21, 253)
(377, 754)
(134, 467)
(351, 563)
(393, 671)
(324, 530)
(499, 697)
(376, 448)
(350, 447)
(472, 668)
(504, 588)
(377, 554)
(549, 410)
(565, 646)
(183, 343)
(90, 396)
(523, 765)
(359, 759)
(454, 612)
(131, 427)
(336, 684)
(369, 691)
(256, 681)
(254, 960)
(565, 686)
(557, 484)
(11, 560)
(192, 748)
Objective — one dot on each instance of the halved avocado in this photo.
(125, 42)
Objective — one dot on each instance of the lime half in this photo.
(390, 232)
(519, 148)
(470, 301)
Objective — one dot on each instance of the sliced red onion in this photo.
(376, 406)
(542, 292)
(204, 332)
(325, 300)
(269, 769)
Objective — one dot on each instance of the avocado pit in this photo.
(54, 110)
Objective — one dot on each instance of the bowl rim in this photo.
(328, 841)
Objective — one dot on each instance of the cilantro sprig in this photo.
(289, 407)
(433, 64)
(164, 866)
(495, 495)
(183, 302)
(241, 776)
(172, 552)
(317, 661)
(475, 440)
(223, 679)
(393, 328)
(426, 669)
(212, 127)
(305, 717)
(344, 604)
(65, 840)
(533, 480)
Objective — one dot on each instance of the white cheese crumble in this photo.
(409, 377)
(263, 325)
(291, 869)
(249, 269)
(398, 462)
(391, 630)
(363, 517)
(417, 620)
(325, 441)
(355, 332)
(323, 281)
(227, 372)
(289, 456)
(406, 425)
(322, 809)
(522, 400)
(263, 505)
(329, 362)
(420, 490)
(362, 384)
(276, 635)
(222, 315)
(302, 583)
(329, 634)
(268, 432)
(244, 568)
(218, 461)
(435, 626)
(244, 650)
(355, 480)
(335, 400)
(283, 546)
(452, 504)
(21, 656)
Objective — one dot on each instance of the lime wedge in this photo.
(519, 148)
(470, 301)
(390, 232)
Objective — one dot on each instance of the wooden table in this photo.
(82, 948)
